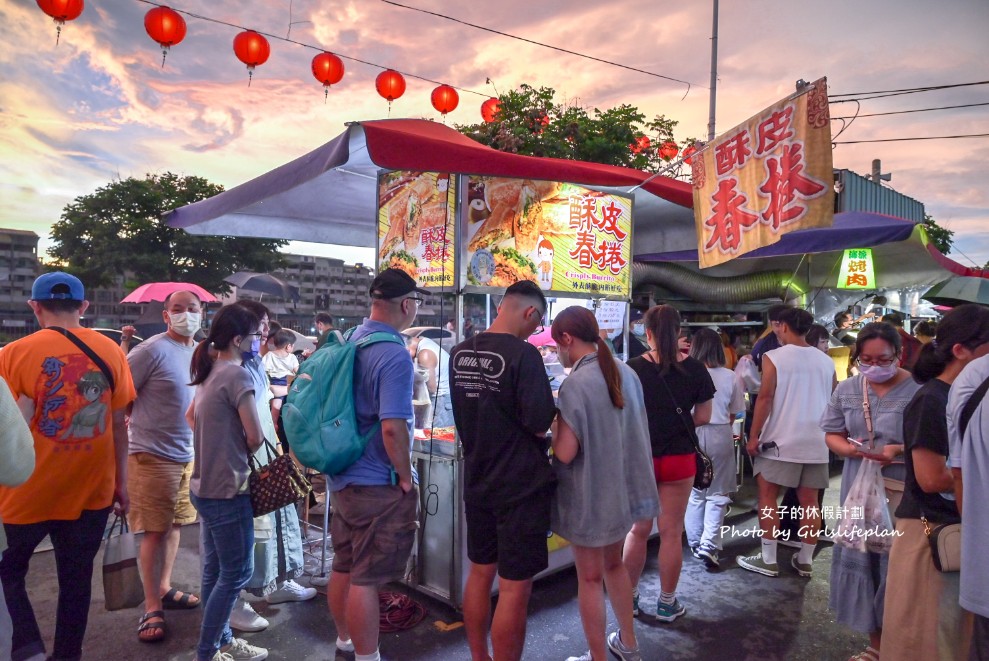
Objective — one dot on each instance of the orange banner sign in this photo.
(764, 178)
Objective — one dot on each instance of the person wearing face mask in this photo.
(160, 455)
(858, 578)
(637, 337)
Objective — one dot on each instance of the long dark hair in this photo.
(967, 325)
(706, 346)
(229, 322)
(663, 321)
(882, 330)
(580, 323)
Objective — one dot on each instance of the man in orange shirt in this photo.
(73, 385)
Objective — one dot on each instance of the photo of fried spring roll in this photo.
(527, 222)
(498, 227)
(502, 191)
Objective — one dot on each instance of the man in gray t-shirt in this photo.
(160, 456)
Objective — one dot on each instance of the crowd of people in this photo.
(165, 435)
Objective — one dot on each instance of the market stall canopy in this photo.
(330, 194)
(901, 250)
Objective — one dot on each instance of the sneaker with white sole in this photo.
(619, 649)
(709, 555)
(669, 612)
(804, 570)
(222, 656)
(241, 650)
(290, 591)
(244, 618)
(758, 565)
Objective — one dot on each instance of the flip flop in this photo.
(145, 625)
(171, 601)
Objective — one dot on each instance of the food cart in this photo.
(463, 220)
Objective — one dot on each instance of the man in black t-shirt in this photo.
(503, 406)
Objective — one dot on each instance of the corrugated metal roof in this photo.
(860, 194)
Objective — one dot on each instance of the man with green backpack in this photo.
(375, 500)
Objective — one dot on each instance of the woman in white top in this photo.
(707, 507)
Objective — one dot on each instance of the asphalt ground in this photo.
(731, 614)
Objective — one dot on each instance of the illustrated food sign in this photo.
(416, 212)
(857, 271)
(767, 177)
(564, 237)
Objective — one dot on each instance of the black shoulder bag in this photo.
(705, 467)
(100, 363)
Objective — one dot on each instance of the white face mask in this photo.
(639, 330)
(877, 374)
(185, 323)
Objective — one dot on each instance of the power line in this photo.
(538, 43)
(902, 112)
(932, 137)
(910, 90)
(311, 46)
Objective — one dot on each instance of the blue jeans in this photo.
(227, 534)
(76, 543)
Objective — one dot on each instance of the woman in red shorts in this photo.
(678, 394)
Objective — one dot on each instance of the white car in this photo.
(447, 339)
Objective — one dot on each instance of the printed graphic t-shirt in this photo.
(72, 424)
(501, 402)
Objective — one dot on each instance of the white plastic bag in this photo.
(866, 524)
(749, 373)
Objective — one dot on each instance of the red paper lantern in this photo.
(390, 85)
(445, 99)
(327, 68)
(688, 153)
(668, 150)
(252, 49)
(61, 11)
(166, 26)
(490, 110)
(641, 144)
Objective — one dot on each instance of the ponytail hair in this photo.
(579, 323)
(967, 325)
(229, 322)
(663, 321)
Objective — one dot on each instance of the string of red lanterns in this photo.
(166, 26)
(61, 11)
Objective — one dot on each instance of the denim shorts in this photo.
(373, 529)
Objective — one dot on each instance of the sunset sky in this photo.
(99, 106)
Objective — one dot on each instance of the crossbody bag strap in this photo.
(691, 432)
(100, 363)
(867, 412)
(969, 409)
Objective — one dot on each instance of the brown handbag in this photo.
(277, 484)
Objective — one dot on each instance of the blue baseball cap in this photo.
(58, 286)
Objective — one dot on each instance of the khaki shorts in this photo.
(373, 529)
(791, 474)
(159, 492)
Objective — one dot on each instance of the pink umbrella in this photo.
(542, 339)
(159, 291)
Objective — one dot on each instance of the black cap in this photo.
(393, 283)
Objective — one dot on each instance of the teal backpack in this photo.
(318, 415)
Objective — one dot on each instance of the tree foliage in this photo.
(119, 228)
(531, 121)
(941, 237)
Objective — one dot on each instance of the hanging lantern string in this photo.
(305, 45)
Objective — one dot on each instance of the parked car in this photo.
(447, 339)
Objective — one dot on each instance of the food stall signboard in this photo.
(416, 214)
(566, 238)
(765, 178)
(857, 270)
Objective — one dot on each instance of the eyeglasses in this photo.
(877, 362)
(258, 334)
(416, 299)
(539, 329)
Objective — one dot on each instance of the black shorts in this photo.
(513, 536)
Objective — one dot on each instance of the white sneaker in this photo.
(219, 656)
(243, 618)
(241, 650)
(290, 591)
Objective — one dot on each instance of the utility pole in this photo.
(714, 75)
(877, 172)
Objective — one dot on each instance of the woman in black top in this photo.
(670, 380)
(922, 618)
